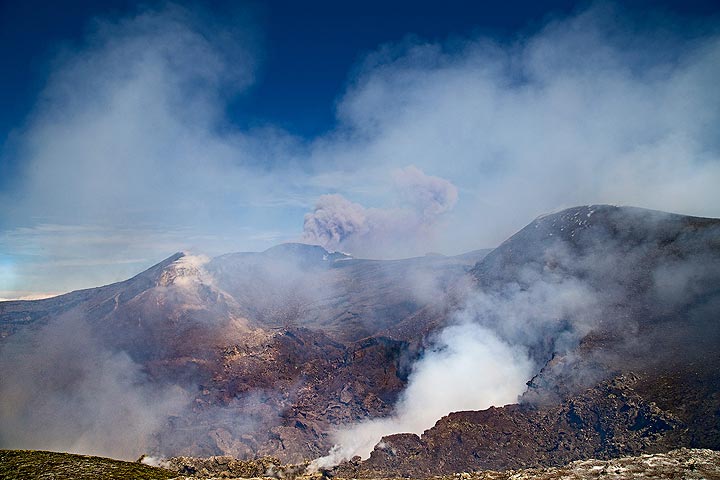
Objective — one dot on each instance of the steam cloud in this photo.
(469, 368)
(496, 344)
(63, 390)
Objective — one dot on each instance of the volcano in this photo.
(253, 354)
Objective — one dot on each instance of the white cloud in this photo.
(594, 108)
(591, 109)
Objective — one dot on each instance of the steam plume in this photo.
(469, 367)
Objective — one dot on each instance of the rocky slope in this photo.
(642, 373)
(28, 464)
(682, 463)
(260, 353)
(690, 464)
(606, 421)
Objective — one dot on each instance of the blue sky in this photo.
(132, 130)
(305, 49)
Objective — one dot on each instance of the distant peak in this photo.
(158, 267)
(185, 267)
(583, 209)
(174, 257)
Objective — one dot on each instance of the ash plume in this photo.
(334, 220)
(339, 224)
(430, 195)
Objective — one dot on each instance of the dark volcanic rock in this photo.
(655, 282)
(654, 279)
(607, 421)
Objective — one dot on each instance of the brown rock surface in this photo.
(606, 421)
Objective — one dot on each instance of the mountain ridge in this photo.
(273, 351)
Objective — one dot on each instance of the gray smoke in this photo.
(430, 195)
(336, 223)
(63, 390)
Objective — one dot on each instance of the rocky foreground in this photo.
(683, 463)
